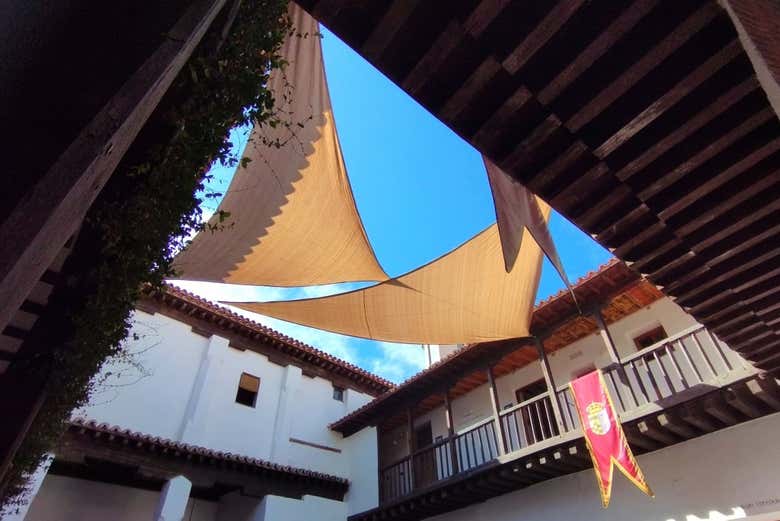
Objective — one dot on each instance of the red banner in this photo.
(604, 435)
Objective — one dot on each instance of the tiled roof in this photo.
(542, 307)
(227, 318)
(193, 452)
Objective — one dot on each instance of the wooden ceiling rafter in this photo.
(640, 121)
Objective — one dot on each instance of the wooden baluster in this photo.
(717, 347)
(670, 353)
(688, 359)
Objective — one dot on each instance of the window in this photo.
(338, 393)
(248, 387)
(649, 338)
(529, 391)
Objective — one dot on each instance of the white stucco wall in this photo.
(152, 395)
(187, 392)
(62, 498)
(363, 457)
(309, 508)
(234, 507)
(729, 474)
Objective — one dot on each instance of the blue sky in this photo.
(421, 191)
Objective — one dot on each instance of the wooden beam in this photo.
(541, 34)
(40, 225)
(551, 387)
(666, 179)
(483, 14)
(392, 22)
(437, 53)
(643, 66)
(672, 96)
(410, 443)
(470, 88)
(606, 39)
(717, 179)
(496, 407)
(710, 112)
(623, 384)
(451, 432)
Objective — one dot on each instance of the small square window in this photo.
(338, 393)
(649, 338)
(248, 387)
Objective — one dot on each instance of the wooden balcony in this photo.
(680, 388)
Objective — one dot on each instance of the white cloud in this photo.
(397, 362)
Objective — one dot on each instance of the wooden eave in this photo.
(640, 121)
(108, 453)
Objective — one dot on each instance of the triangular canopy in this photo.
(293, 220)
(465, 296)
(517, 210)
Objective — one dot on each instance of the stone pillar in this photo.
(173, 500)
(283, 421)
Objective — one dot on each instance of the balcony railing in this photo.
(676, 369)
(669, 372)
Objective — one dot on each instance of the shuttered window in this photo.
(248, 387)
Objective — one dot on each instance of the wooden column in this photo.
(496, 410)
(551, 388)
(451, 432)
(410, 438)
(624, 385)
(606, 336)
(40, 224)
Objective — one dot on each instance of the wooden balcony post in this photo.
(501, 445)
(451, 432)
(551, 388)
(624, 383)
(606, 336)
(410, 437)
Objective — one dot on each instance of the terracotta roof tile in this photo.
(299, 348)
(84, 425)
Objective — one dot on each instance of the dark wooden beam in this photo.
(643, 66)
(40, 224)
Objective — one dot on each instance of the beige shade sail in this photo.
(517, 210)
(293, 219)
(465, 296)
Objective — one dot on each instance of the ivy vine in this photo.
(145, 214)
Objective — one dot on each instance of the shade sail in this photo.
(293, 220)
(517, 209)
(465, 296)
